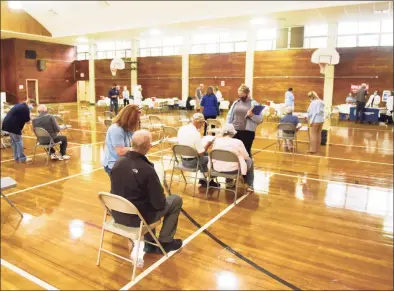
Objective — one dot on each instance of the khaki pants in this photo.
(315, 136)
(198, 106)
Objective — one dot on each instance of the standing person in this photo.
(137, 93)
(113, 95)
(374, 100)
(289, 98)
(360, 102)
(126, 96)
(315, 120)
(13, 123)
(198, 96)
(117, 140)
(209, 106)
(241, 116)
(48, 122)
(219, 96)
(134, 177)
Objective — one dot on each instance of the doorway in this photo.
(82, 93)
(32, 89)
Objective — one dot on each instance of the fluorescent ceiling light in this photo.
(154, 32)
(15, 5)
(82, 39)
(258, 21)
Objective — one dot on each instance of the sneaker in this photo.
(54, 157)
(250, 189)
(27, 161)
(66, 157)
(176, 244)
(60, 157)
(202, 182)
(151, 249)
(214, 184)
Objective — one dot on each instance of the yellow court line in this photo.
(185, 242)
(27, 276)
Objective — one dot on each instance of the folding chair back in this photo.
(60, 108)
(108, 115)
(59, 120)
(170, 131)
(213, 122)
(108, 123)
(50, 110)
(118, 203)
(286, 127)
(183, 150)
(42, 134)
(153, 119)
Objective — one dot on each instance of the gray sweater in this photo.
(47, 122)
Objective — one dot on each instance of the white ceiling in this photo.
(84, 17)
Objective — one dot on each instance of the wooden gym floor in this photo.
(314, 222)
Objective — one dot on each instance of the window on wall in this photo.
(166, 46)
(225, 42)
(82, 52)
(266, 39)
(315, 36)
(113, 49)
(365, 33)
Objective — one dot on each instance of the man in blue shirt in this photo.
(292, 119)
(349, 99)
(13, 123)
(113, 95)
(289, 98)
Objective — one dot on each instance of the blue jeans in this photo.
(193, 163)
(17, 147)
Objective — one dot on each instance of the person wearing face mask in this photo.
(13, 123)
(241, 116)
(315, 120)
(374, 100)
(113, 95)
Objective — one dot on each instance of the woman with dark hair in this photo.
(244, 120)
(118, 138)
(209, 106)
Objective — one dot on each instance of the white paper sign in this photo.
(222, 83)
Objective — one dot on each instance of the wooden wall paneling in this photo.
(81, 67)
(20, 21)
(56, 83)
(8, 70)
(160, 77)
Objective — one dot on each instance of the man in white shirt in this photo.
(219, 96)
(189, 135)
(374, 100)
(126, 96)
(198, 96)
(228, 143)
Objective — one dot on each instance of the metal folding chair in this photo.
(170, 135)
(117, 203)
(63, 126)
(224, 156)
(44, 135)
(281, 136)
(108, 115)
(8, 183)
(213, 126)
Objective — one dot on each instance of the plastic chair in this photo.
(43, 134)
(281, 135)
(178, 152)
(117, 203)
(224, 156)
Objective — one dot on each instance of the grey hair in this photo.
(289, 110)
(141, 141)
(42, 108)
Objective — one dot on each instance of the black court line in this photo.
(227, 247)
(260, 150)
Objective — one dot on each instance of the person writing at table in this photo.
(350, 99)
(244, 120)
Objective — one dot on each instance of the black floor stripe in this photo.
(234, 252)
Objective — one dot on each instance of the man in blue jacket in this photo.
(113, 95)
(13, 123)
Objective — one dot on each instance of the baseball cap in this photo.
(198, 117)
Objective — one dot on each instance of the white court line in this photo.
(27, 276)
(333, 144)
(185, 242)
(70, 148)
(324, 157)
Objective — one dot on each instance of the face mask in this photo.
(30, 107)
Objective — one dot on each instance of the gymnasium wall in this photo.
(276, 71)
(160, 76)
(55, 84)
(104, 79)
(370, 65)
(211, 69)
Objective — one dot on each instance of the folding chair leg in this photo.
(101, 240)
(48, 154)
(157, 242)
(172, 174)
(195, 182)
(209, 179)
(34, 153)
(184, 178)
(236, 190)
(137, 253)
(12, 204)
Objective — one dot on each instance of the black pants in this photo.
(247, 137)
(63, 145)
(125, 102)
(114, 103)
(360, 107)
(205, 126)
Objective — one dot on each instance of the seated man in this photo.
(349, 99)
(290, 118)
(48, 122)
(190, 135)
(134, 178)
(228, 143)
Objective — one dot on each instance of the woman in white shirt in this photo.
(228, 143)
(126, 96)
(137, 95)
(315, 120)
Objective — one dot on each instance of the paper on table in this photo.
(304, 128)
(206, 139)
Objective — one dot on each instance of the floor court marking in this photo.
(324, 157)
(185, 242)
(69, 148)
(27, 276)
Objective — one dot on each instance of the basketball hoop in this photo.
(116, 64)
(113, 72)
(324, 57)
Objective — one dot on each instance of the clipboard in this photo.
(258, 109)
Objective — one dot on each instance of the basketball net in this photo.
(113, 72)
(323, 67)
